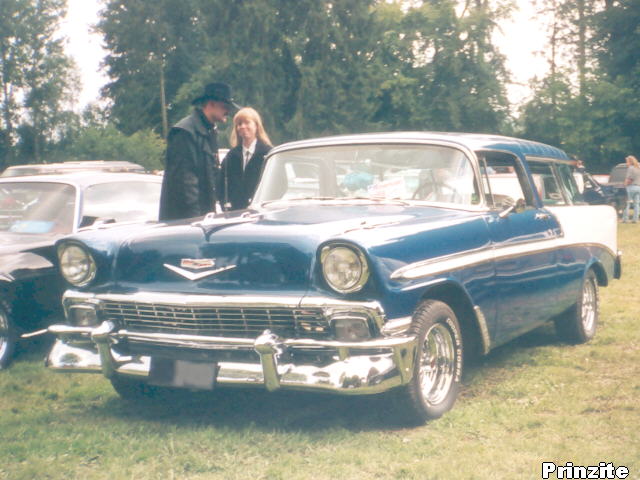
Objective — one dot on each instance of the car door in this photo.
(522, 239)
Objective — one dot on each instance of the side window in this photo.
(569, 183)
(550, 190)
(504, 178)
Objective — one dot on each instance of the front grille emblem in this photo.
(197, 264)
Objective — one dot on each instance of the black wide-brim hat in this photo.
(218, 92)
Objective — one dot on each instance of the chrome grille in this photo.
(245, 322)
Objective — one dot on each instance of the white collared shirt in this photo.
(247, 153)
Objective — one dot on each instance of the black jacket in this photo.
(191, 170)
(237, 186)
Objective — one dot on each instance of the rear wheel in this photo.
(7, 335)
(438, 364)
(579, 323)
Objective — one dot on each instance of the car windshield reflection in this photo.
(375, 172)
(34, 207)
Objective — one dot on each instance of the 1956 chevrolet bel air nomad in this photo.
(365, 263)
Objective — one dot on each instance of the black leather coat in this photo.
(237, 186)
(191, 170)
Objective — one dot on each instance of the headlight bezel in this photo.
(89, 272)
(363, 275)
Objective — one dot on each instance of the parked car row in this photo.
(35, 211)
(365, 264)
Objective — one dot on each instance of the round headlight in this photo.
(76, 265)
(345, 269)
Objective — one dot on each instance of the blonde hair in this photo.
(248, 113)
(633, 160)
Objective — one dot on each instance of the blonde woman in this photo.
(632, 181)
(242, 166)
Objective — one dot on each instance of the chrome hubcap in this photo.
(589, 305)
(4, 334)
(437, 364)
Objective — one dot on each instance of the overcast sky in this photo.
(520, 40)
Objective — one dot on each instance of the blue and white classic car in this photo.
(365, 263)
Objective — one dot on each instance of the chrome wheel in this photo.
(7, 335)
(4, 334)
(579, 323)
(437, 368)
(589, 304)
(437, 364)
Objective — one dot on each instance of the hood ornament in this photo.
(197, 264)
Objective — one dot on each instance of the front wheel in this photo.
(578, 324)
(434, 386)
(7, 335)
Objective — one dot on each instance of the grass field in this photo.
(531, 401)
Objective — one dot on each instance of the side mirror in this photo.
(517, 207)
(103, 221)
(88, 221)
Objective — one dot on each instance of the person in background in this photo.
(242, 166)
(192, 164)
(632, 181)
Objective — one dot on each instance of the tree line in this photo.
(318, 67)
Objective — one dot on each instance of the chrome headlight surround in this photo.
(76, 264)
(344, 267)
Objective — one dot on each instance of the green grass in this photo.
(531, 401)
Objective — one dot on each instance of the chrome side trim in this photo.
(469, 258)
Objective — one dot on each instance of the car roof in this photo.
(85, 178)
(472, 141)
(74, 165)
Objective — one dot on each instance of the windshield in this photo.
(376, 172)
(121, 202)
(35, 207)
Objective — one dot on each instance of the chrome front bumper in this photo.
(363, 367)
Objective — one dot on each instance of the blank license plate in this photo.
(182, 373)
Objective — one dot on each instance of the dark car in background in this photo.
(72, 166)
(35, 211)
(616, 183)
(618, 174)
(596, 193)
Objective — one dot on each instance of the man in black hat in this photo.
(188, 186)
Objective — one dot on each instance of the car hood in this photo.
(16, 242)
(273, 250)
(25, 253)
